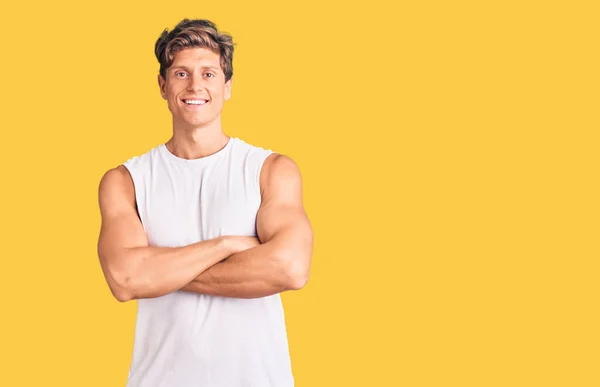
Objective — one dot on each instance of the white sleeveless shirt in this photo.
(185, 339)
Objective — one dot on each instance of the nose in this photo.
(196, 83)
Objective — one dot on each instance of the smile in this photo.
(195, 101)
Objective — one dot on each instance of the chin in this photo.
(196, 123)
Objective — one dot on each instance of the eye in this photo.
(211, 75)
(180, 74)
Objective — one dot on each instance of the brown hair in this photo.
(194, 33)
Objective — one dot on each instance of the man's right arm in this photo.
(132, 268)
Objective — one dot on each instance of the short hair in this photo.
(190, 34)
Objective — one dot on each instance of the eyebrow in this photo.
(202, 67)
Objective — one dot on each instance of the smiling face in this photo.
(195, 88)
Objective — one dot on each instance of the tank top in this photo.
(185, 339)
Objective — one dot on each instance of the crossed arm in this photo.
(230, 266)
(281, 262)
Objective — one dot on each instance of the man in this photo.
(204, 231)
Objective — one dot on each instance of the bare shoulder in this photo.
(115, 179)
(116, 190)
(280, 178)
(282, 211)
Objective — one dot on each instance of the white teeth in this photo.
(194, 102)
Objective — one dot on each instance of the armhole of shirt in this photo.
(136, 186)
(261, 162)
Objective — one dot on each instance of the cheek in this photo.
(172, 104)
(173, 99)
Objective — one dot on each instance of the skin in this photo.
(195, 74)
(232, 266)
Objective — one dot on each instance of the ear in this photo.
(228, 86)
(162, 84)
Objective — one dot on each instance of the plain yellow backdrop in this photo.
(449, 153)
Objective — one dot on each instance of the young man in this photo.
(204, 231)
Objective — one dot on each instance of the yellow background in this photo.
(449, 153)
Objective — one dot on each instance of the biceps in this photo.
(287, 225)
(116, 236)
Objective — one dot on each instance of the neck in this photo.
(197, 142)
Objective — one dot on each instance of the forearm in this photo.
(154, 271)
(257, 272)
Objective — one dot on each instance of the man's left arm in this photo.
(282, 261)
